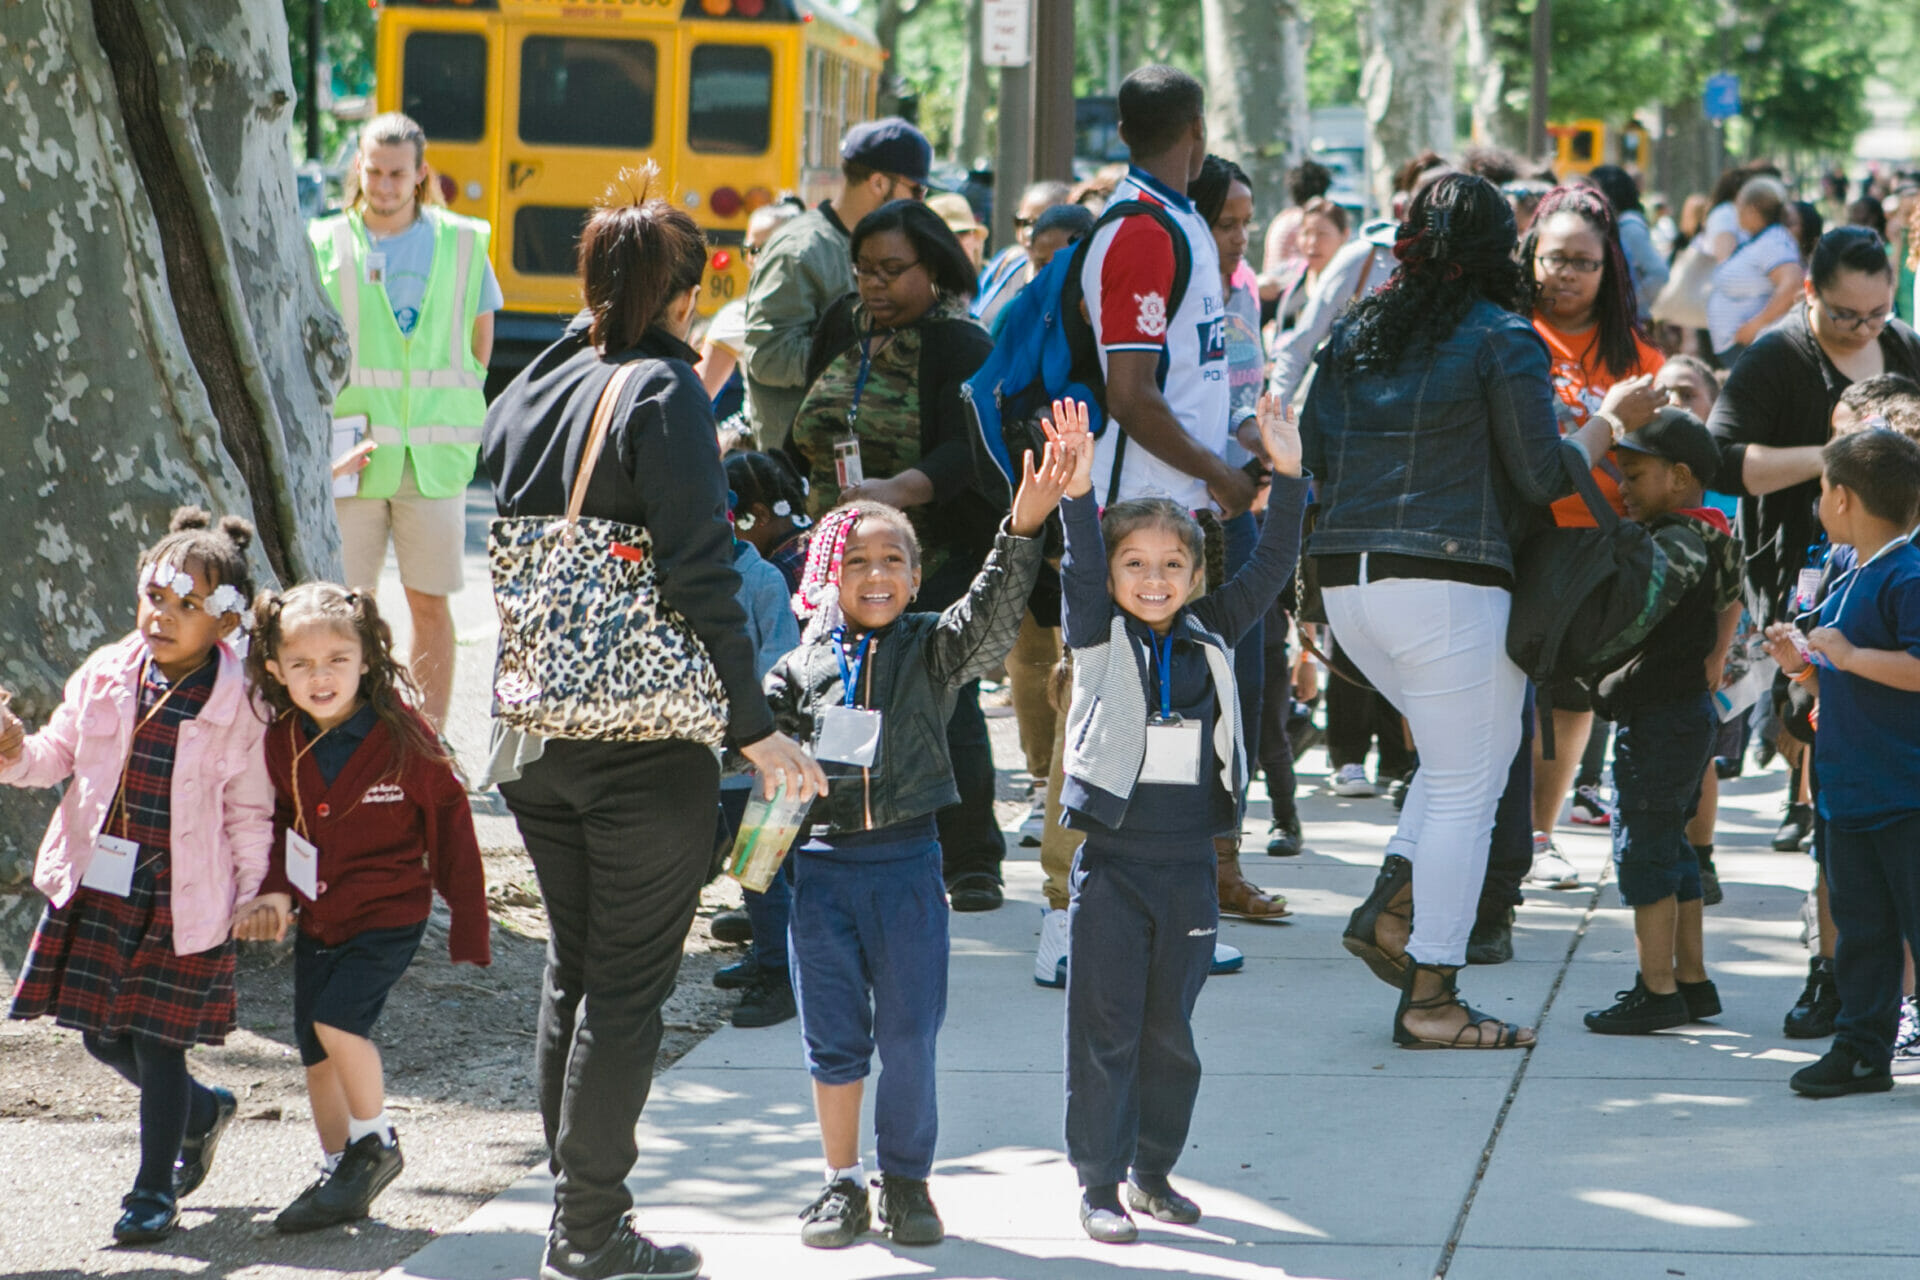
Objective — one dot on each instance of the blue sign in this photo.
(1723, 96)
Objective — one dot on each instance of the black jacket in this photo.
(660, 469)
(1782, 394)
(912, 676)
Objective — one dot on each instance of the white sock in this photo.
(330, 1160)
(358, 1129)
(856, 1172)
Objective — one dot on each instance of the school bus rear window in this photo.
(579, 92)
(443, 84)
(730, 102)
(546, 238)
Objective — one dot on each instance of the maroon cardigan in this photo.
(387, 840)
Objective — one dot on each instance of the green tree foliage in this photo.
(348, 44)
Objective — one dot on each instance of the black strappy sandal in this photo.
(1468, 1036)
(1392, 896)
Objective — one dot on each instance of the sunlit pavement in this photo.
(1318, 1149)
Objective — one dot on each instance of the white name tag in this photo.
(376, 268)
(1806, 588)
(111, 870)
(849, 735)
(1173, 753)
(303, 865)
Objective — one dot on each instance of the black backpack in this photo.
(1585, 599)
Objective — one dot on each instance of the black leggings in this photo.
(172, 1103)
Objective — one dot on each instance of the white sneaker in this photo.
(1050, 960)
(1227, 959)
(1351, 780)
(1551, 870)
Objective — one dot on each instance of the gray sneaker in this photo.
(627, 1255)
(838, 1217)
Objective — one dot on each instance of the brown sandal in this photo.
(1239, 896)
(1507, 1037)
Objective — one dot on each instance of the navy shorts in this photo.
(1660, 755)
(346, 986)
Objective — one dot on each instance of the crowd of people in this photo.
(1311, 486)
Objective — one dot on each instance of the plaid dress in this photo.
(106, 964)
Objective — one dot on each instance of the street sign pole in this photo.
(1007, 42)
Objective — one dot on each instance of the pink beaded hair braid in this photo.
(817, 602)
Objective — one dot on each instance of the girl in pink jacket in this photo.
(163, 831)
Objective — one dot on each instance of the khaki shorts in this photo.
(429, 538)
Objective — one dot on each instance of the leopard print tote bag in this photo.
(588, 649)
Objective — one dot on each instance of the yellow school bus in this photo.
(531, 107)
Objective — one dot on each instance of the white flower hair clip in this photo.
(226, 598)
(167, 574)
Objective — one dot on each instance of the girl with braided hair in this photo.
(1431, 427)
(1577, 282)
(770, 510)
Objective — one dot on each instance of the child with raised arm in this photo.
(369, 820)
(1862, 655)
(1154, 768)
(872, 687)
(135, 950)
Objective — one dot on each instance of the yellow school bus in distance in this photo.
(531, 107)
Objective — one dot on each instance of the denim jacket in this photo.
(1447, 455)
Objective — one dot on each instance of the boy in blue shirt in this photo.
(1864, 657)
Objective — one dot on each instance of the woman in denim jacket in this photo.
(1431, 424)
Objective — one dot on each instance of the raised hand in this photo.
(1068, 429)
(1040, 490)
(1280, 433)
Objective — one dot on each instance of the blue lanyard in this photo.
(850, 675)
(1163, 661)
(860, 380)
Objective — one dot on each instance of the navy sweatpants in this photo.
(867, 949)
(1142, 936)
(1873, 878)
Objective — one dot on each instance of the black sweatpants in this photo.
(1141, 936)
(1873, 880)
(1510, 851)
(621, 837)
(1357, 717)
(1276, 748)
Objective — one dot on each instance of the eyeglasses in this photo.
(883, 273)
(1853, 319)
(918, 190)
(750, 250)
(1561, 262)
(1021, 223)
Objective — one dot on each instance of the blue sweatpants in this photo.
(1873, 879)
(867, 948)
(1142, 934)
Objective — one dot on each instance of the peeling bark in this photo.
(165, 339)
(1406, 82)
(1257, 92)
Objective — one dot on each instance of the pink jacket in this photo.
(222, 798)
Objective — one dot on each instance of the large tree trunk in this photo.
(976, 80)
(1406, 82)
(166, 340)
(1497, 122)
(1257, 91)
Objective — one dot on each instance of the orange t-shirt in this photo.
(1580, 382)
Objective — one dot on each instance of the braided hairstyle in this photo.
(1614, 305)
(817, 602)
(387, 686)
(768, 480)
(1455, 247)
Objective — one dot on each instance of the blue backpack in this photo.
(1045, 350)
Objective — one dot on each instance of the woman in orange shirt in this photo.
(1584, 309)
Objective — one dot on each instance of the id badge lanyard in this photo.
(303, 855)
(846, 452)
(1173, 745)
(120, 795)
(849, 733)
(1163, 667)
(850, 672)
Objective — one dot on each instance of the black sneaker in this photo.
(739, 976)
(1841, 1072)
(1640, 1012)
(1283, 838)
(366, 1168)
(196, 1153)
(731, 926)
(838, 1217)
(1794, 830)
(907, 1212)
(1703, 999)
(1156, 1198)
(767, 1003)
(1398, 792)
(627, 1255)
(1491, 941)
(1818, 1008)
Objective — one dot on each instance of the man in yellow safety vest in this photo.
(413, 284)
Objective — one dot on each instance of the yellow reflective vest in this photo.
(421, 394)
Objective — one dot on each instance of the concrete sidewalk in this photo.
(1318, 1149)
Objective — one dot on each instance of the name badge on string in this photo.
(303, 865)
(1173, 752)
(849, 735)
(1806, 588)
(376, 272)
(111, 870)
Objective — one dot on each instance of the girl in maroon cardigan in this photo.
(369, 819)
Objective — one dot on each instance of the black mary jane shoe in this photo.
(196, 1153)
(1392, 896)
(147, 1217)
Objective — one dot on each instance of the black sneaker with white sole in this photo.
(1841, 1072)
(366, 1169)
(627, 1255)
(839, 1215)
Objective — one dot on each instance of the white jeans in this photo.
(1438, 651)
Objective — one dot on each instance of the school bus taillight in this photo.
(721, 260)
(725, 202)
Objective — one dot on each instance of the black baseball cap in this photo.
(889, 145)
(1677, 436)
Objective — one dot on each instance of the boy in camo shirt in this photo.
(1661, 701)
